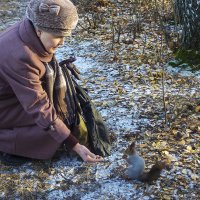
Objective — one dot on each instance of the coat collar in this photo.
(29, 36)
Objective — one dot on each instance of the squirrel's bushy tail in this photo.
(154, 172)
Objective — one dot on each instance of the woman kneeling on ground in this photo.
(29, 123)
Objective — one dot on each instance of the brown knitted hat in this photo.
(53, 16)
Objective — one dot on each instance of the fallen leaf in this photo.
(194, 177)
(182, 142)
(184, 171)
(197, 109)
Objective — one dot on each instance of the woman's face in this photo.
(51, 42)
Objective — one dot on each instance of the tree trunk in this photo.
(188, 14)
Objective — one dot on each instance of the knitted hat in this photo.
(53, 16)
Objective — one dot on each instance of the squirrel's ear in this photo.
(130, 149)
(132, 145)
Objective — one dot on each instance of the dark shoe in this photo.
(12, 160)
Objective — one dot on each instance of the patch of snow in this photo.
(61, 194)
(112, 189)
(183, 72)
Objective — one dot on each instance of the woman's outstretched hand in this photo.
(86, 154)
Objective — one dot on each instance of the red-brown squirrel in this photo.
(137, 165)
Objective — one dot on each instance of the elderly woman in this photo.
(29, 123)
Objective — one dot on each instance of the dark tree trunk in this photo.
(188, 14)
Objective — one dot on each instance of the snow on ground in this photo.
(122, 105)
(132, 108)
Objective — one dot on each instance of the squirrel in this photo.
(137, 165)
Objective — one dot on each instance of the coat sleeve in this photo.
(24, 79)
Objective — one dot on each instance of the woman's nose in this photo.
(62, 41)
